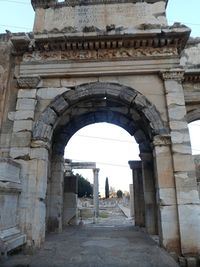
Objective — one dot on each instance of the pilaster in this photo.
(183, 165)
(139, 206)
(168, 225)
(149, 193)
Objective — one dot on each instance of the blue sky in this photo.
(18, 15)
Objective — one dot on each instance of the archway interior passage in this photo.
(194, 129)
(111, 147)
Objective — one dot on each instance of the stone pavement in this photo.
(111, 242)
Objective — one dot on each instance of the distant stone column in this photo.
(131, 190)
(149, 193)
(139, 210)
(70, 199)
(96, 191)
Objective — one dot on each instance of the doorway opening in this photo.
(110, 147)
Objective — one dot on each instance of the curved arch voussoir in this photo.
(193, 115)
(127, 96)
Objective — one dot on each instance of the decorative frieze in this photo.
(101, 54)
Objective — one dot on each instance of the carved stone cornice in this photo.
(164, 42)
(176, 74)
(192, 76)
(55, 3)
(28, 82)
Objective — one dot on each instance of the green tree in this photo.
(84, 187)
(119, 193)
(106, 188)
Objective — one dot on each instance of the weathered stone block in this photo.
(164, 167)
(170, 234)
(187, 195)
(26, 104)
(180, 137)
(24, 115)
(183, 162)
(182, 149)
(9, 170)
(50, 93)
(178, 125)
(167, 196)
(42, 131)
(27, 93)
(175, 98)
(20, 152)
(189, 216)
(22, 125)
(59, 105)
(173, 86)
(185, 179)
(176, 112)
(39, 153)
(141, 102)
(8, 206)
(21, 139)
(49, 116)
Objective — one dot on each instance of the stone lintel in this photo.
(135, 164)
(83, 165)
(55, 4)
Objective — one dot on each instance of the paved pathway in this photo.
(112, 242)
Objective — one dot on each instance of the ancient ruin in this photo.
(99, 61)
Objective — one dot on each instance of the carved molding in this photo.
(143, 41)
(162, 140)
(55, 3)
(177, 75)
(98, 54)
(28, 82)
(192, 77)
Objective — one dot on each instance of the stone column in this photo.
(70, 200)
(131, 190)
(183, 165)
(96, 192)
(149, 193)
(56, 194)
(139, 211)
(166, 195)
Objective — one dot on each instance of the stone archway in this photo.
(105, 102)
(132, 105)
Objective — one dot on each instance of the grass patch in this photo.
(103, 215)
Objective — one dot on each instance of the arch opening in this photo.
(110, 147)
(95, 103)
